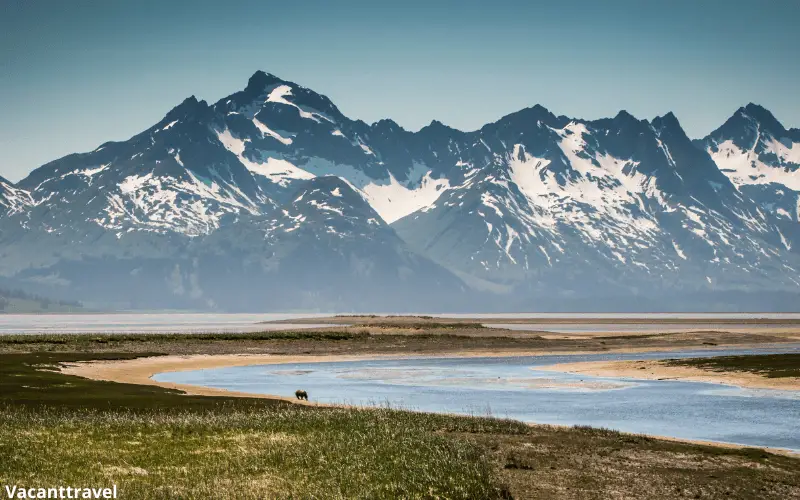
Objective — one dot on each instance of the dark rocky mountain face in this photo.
(333, 248)
(272, 199)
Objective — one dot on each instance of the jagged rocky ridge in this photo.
(272, 199)
(13, 199)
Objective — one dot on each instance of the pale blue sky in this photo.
(74, 74)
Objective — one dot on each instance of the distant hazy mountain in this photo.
(19, 301)
(272, 199)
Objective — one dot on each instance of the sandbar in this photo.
(655, 370)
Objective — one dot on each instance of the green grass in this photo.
(154, 443)
(57, 429)
(105, 338)
(253, 453)
(297, 342)
(768, 365)
(33, 380)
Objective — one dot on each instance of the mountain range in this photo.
(273, 199)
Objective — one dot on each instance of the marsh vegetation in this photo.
(767, 365)
(158, 443)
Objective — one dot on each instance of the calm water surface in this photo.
(209, 322)
(148, 323)
(514, 388)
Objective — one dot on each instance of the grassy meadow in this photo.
(767, 365)
(58, 429)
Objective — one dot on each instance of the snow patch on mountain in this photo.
(678, 250)
(277, 170)
(394, 200)
(753, 148)
(366, 149)
(164, 203)
(602, 194)
(323, 206)
(13, 199)
(745, 166)
(231, 143)
(91, 172)
(266, 131)
(605, 182)
(167, 126)
(530, 174)
(279, 95)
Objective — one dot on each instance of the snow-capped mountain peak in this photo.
(275, 178)
(753, 147)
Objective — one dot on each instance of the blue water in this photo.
(514, 388)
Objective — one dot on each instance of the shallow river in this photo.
(514, 388)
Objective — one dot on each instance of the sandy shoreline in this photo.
(654, 370)
(141, 370)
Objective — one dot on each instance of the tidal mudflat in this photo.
(109, 323)
(516, 388)
(150, 323)
(632, 328)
